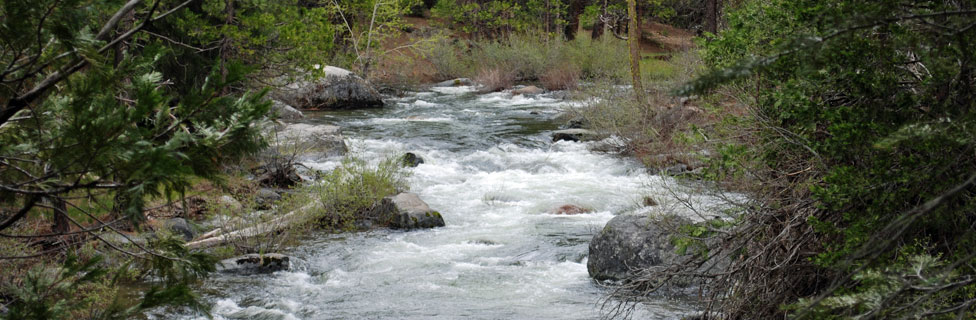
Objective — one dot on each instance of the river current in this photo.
(493, 172)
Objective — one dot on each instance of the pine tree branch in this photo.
(22, 101)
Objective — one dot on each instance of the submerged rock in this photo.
(570, 209)
(255, 263)
(411, 160)
(339, 89)
(454, 83)
(408, 211)
(632, 242)
(575, 135)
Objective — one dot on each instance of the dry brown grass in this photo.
(495, 79)
(562, 77)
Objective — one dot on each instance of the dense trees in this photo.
(106, 105)
(862, 158)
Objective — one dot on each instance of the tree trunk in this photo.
(225, 46)
(61, 223)
(575, 10)
(633, 39)
(598, 25)
(711, 16)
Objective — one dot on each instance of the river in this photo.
(493, 172)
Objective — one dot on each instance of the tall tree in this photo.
(711, 16)
(575, 9)
(633, 40)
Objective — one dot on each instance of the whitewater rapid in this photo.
(492, 171)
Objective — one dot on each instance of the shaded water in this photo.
(493, 173)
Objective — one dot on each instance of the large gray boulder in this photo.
(280, 110)
(338, 89)
(408, 211)
(629, 243)
(255, 263)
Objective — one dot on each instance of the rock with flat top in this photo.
(408, 211)
(280, 110)
(338, 89)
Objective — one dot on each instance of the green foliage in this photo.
(497, 19)
(351, 192)
(274, 37)
(368, 24)
(865, 108)
(66, 291)
(148, 143)
(528, 57)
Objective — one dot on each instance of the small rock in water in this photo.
(574, 135)
(411, 160)
(255, 263)
(649, 202)
(570, 210)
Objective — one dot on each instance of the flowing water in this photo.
(493, 173)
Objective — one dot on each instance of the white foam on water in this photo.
(422, 103)
(503, 253)
(454, 90)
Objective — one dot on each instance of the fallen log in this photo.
(280, 223)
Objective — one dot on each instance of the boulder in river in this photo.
(629, 243)
(411, 159)
(573, 135)
(338, 89)
(454, 83)
(408, 211)
(255, 263)
(282, 111)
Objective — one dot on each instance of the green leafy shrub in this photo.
(859, 147)
(351, 191)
